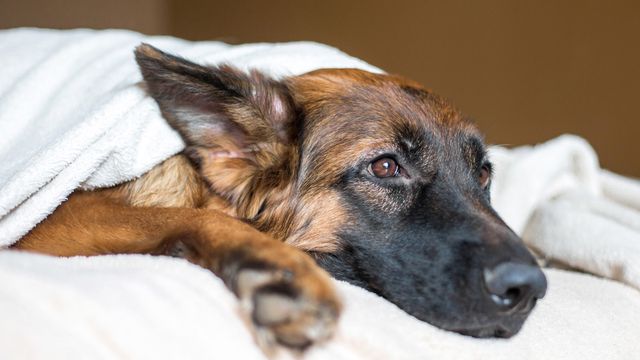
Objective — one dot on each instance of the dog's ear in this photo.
(217, 106)
(235, 124)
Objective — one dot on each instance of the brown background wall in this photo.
(525, 70)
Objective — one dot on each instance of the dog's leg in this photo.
(290, 299)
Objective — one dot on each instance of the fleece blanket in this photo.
(72, 115)
(140, 307)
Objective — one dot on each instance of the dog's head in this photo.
(383, 182)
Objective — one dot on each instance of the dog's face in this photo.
(383, 182)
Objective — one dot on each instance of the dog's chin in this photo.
(492, 331)
(503, 329)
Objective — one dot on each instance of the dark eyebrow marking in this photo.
(475, 151)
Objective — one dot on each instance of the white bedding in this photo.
(72, 115)
(139, 307)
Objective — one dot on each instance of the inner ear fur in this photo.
(239, 127)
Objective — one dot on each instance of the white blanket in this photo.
(140, 307)
(72, 115)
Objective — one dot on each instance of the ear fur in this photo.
(237, 126)
(206, 103)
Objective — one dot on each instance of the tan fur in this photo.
(173, 183)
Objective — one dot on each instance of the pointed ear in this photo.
(218, 107)
(236, 125)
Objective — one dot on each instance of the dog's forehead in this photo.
(378, 109)
(353, 115)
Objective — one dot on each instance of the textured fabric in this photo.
(141, 307)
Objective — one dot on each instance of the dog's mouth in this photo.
(493, 331)
(484, 323)
(504, 328)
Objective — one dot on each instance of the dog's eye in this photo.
(384, 167)
(485, 175)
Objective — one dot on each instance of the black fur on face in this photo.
(429, 256)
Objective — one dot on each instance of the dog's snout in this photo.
(515, 286)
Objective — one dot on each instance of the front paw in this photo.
(294, 306)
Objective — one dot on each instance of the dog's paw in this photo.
(291, 307)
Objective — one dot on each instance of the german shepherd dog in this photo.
(369, 178)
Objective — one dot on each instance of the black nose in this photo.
(511, 285)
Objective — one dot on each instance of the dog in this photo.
(369, 178)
